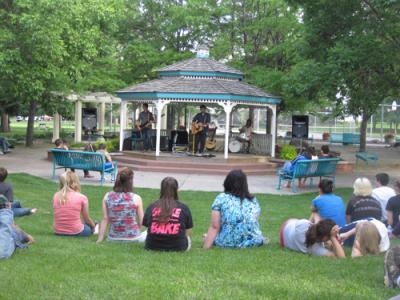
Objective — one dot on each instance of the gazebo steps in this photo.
(195, 165)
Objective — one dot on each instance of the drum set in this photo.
(235, 145)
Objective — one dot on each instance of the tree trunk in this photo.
(5, 125)
(363, 132)
(31, 124)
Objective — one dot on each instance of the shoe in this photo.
(88, 176)
(391, 265)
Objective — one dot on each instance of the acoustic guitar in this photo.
(211, 141)
(197, 127)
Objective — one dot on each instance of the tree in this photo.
(47, 46)
(355, 46)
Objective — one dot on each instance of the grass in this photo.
(76, 268)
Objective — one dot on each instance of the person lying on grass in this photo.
(306, 237)
(234, 216)
(69, 205)
(122, 211)
(371, 237)
(6, 190)
(168, 220)
(11, 236)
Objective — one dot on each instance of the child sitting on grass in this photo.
(11, 236)
(6, 190)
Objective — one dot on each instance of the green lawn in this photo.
(76, 268)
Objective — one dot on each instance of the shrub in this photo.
(288, 152)
(111, 145)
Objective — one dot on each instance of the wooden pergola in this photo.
(99, 98)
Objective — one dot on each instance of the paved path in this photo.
(33, 161)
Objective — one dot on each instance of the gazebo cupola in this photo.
(199, 80)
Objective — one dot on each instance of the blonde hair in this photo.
(362, 187)
(69, 181)
(368, 238)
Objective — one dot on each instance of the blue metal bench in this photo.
(91, 161)
(366, 156)
(310, 168)
(345, 138)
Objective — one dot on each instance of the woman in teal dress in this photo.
(234, 216)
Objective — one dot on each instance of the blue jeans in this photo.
(87, 231)
(146, 138)
(350, 241)
(18, 210)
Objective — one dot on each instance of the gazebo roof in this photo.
(200, 79)
(199, 65)
(192, 88)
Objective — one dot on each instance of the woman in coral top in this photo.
(69, 205)
(122, 211)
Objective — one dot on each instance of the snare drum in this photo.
(234, 146)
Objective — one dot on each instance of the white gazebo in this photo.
(200, 80)
(99, 98)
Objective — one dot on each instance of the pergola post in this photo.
(56, 126)
(78, 121)
(102, 111)
(228, 109)
(122, 124)
(159, 106)
(273, 130)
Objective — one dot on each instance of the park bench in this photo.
(325, 167)
(366, 156)
(345, 138)
(91, 161)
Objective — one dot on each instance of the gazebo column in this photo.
(228, 109)
(159, 106)
(78, 121)
(273, 130)
(122, 123)
(56, 126)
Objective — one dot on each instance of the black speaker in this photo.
(178, 137)
(300, 127)
(89, 119)
(163, 143)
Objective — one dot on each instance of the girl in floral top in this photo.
(234, 217)
(123, 211)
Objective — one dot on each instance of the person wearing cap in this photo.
(11, 236)
(201, 121)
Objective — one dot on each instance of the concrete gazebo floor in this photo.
(34, 161)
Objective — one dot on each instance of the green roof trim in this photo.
(201, 73)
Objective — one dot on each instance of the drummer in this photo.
(246, 133)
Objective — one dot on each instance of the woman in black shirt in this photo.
(168, 220)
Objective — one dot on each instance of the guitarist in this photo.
(146, 119)
(201, 121)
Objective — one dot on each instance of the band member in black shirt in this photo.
(200, 122)
(146, 119)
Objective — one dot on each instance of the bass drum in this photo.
(234, 146)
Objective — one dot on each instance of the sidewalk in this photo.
(33, 161)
